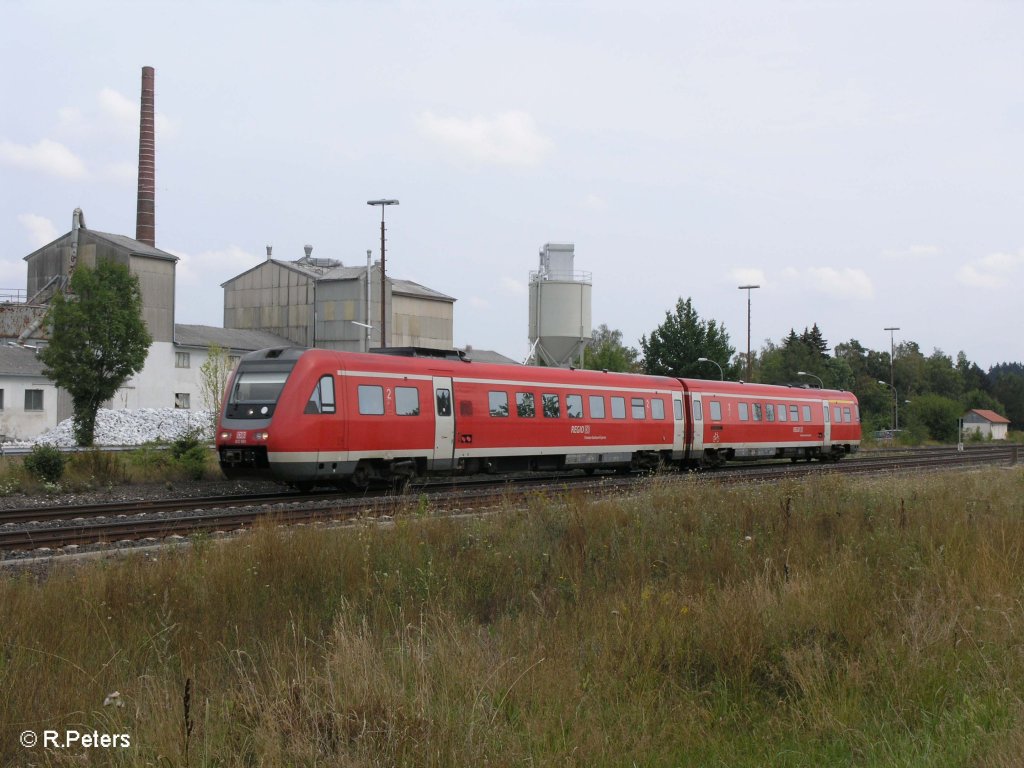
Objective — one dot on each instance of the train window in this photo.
(552, 410)
(846, 415)
(782, 411)
(716, 410)
(744, 415)
(574, 406)
(497, 402)
(698, 411)
(658, 408)
(407, 401)
(525, 408)
(371, 400)
(444, 402)
(757, 411)
(837, 414)
(807, 413)
(618, 407)
(258, 386)
(825, 411)
(794, 413)
(677, 409)
(856, 414)
(769, 411)
(636, 406)
(596, 407)
(321, 399)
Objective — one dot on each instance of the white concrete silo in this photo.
(560, 325)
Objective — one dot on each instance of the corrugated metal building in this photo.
(322, 303)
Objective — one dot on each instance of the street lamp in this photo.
(895, 405)
(892, 357)
(721, 373)
(748, 289)
(821, 384)
(383, 282)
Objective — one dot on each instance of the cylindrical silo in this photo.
(560, 323)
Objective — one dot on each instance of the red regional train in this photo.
(322, 417)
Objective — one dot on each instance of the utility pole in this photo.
(892, 380)
(748, 289)
(383, 281)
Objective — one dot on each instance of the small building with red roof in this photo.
(986, 423)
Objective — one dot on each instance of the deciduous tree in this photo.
(98, 340)
(674, 346)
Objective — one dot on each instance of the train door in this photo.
(698, 426)
(827, 426)
(678, 429)
(444, 424)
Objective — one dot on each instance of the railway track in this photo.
(50, 528)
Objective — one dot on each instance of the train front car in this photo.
(249, 418)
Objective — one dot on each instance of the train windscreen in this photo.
(255, 393)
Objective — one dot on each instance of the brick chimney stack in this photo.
(145, 216)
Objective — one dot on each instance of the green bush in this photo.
(193, 461)
(45, 462)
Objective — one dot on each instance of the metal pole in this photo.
(748, 288)
(892, 379)
(383, 288)
(369, 253)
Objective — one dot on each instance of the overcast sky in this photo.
(862, 161)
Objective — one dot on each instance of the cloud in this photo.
(995, 271)
(45, 156)
(840, 283)
(594, 202)
(513, 287)
(913, 252)
(40, 229)
(743, 276)
(511, 138)
(123, 111)
(213, 266)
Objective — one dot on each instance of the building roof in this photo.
(990, 416)
(226, 338)
(133, 246)
(327, 269)
(20, 361)
(488, 356)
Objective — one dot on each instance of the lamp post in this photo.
(721, 373)
(821, 384)
(895, 405)
(892, 379)
(383, 282)
(748, 289)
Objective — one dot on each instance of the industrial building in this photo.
(315, 302)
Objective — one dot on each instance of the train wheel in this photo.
(303, 487)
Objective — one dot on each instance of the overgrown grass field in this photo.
(832, 621)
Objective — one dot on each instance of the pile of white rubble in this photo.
(125, 427)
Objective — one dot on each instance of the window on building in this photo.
(525, 408)
(716, 410)
(1, 399)
(552, 410)
(497, 402)
(407, 401)
(33, 399)
(182, 400)
(596, 407)
(371, 400)
(574, 406)
(636, 406)
(182, 360)
(658, 408)
(744, 411)
(618, 407)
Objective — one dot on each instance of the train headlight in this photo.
(262, 435)
(225, 436)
